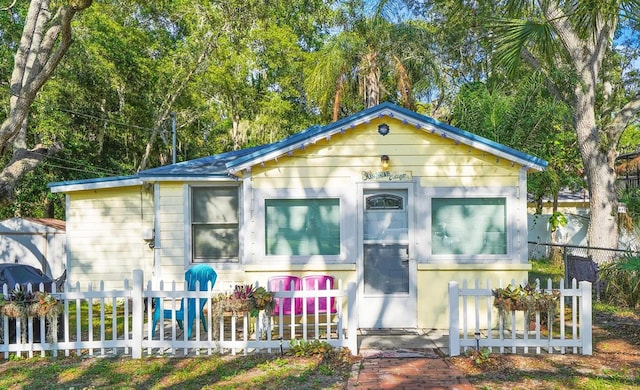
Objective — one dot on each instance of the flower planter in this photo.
(525, 298)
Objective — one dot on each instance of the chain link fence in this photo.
(599, 256)
(580, 262)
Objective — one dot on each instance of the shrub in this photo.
(310, 348)
(621, 278)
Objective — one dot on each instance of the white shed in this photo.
(39, 242)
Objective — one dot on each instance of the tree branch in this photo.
(561, 25)
(39, 53)
(9, 6)
(170, 99)
(533, 62)
(624, 117)
(23, 162)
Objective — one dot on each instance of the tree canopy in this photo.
(558, 80)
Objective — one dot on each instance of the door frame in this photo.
(410, 187)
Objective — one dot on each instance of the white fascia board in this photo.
(393, 114)
(95, 185)
(481, 146)
(154, 179)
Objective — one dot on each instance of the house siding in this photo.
(436, 161)
(433, 279)
(107, 243)
(429, 165)
(438, 167)
(173, 223)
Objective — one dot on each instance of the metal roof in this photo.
(92, 184)
(223, 166)
(206, 166)
(428, 124)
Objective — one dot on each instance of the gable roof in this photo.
(428, 124)
(224, 166)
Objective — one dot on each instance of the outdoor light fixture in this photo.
(148, 235)
(383, 129)
(384, 160)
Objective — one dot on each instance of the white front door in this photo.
(387, 293)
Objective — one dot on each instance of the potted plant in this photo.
(244, 298)
(261, 299)
(19, 303)
(234, 303)
(23, 304)
(525, 298)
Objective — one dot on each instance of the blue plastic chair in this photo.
(200, 273)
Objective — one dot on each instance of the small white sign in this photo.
(622, 208)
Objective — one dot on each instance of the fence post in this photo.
(137, 314)
(454, 319)
(352, 319)
(586, 318)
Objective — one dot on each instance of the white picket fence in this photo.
(475, 324)
(130, 310)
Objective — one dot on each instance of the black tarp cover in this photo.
(22, 274)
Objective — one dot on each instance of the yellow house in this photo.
(394, 201)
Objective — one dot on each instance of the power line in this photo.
(95, 169)
(74, 169)
(105, 120)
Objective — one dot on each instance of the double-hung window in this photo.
(469, 226)
(214, 223)
(302, 227)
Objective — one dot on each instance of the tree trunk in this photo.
(371, 80)
(598, 159)
(45, 39)
(598, 151)
(337, 97)
(555, 254)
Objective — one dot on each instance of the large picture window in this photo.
(468, 226)
(302, 227)
(214, 219)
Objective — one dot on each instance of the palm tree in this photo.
(370, 60)
(570, 42)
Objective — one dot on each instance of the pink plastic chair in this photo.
(309, 283)
(286, 283)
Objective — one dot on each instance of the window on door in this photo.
(385, 219)
(468, 226)
(302, 227)
(214, 224)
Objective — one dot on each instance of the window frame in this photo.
(515, 211)
(461, 202)
(305, 203)
(347, 224)
(189, 228)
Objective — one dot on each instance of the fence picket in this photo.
(136, 338)
(521, 335)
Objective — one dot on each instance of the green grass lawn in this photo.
(96, 320)
(262, 371)
(543, 269)
(212, 372)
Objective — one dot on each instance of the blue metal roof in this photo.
(225, 164)
(391, 110)
(209, 166)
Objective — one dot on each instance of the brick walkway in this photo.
(407, 373)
